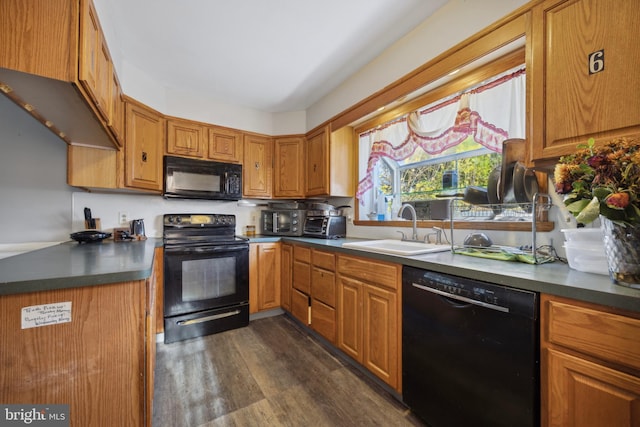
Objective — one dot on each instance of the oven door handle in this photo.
(206, 249)
(207, 318)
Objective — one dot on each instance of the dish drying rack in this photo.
(459, 210)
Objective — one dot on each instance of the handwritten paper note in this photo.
(46, 314)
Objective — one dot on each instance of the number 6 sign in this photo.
(596, 61)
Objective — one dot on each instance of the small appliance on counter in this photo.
(325, 221)
(283, 219)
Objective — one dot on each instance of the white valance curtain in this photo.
(490, 113)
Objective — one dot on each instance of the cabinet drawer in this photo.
(323, 320)
(302, 277)
(602, 334)
(377, 272)
(323, 286)
(324, 260)
(300, 306)
(300, 253)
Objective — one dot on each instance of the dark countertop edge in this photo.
(66, 282)
(552, 278)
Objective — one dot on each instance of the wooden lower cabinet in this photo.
(323, 294)
(264, 276)
(590, 365)
(369, 315)
(100, 362)
(286, 275)
(300, 306)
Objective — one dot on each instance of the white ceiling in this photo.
(269, 55)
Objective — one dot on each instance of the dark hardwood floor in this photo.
(271, 373)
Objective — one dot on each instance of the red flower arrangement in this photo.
(602, 180)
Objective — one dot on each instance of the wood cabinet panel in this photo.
(91, 167)
(40, 39)
(317, 173)
(607, 336)
(116, 122)
(300, 306)
(185, 138)
(350, 317)
(323, 320)
(585, 394)
(95, 62)
(302, 253)
(288, 172)
(584, 76)
(323, 259)
(286, 276)
(377, 272)
(323, 286)
(61, 363)
(225, 145)
(257, 171)
(145, 136)
(380, 334)
(302, 276)
(264, 276)
(589, 364)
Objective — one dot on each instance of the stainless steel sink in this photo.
(397, 247)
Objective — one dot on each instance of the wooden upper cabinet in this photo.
(288, 172)
(225, 145)
(584, 75)
(145, 136)
(257, 170)
(46, 44)
(95, 68)
(185, 138)
(317, 163)
(116, 124)
(330, 163)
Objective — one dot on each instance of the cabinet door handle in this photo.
(257, 165)
(144, 156)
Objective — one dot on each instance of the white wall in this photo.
(35, 201)
(454, 22)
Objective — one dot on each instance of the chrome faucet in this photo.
(414, 218)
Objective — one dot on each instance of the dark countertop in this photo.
(553, 278)
(71, 265)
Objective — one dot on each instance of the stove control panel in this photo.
(199, 220)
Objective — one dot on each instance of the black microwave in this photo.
(201, 179)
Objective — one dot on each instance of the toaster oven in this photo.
(282, 222)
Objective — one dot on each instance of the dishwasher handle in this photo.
(461, 298)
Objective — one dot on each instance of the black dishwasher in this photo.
(469, 351)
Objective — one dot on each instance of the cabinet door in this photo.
(185, 138)
(286, 258)
(317, 182)
(268, 276)
(586, 394)
(257, 171)
(116, 124)
(225, 145)
(300, 306)
(584, 74)
(350, 317)
(302, 276)
(288, 175)
(144, 142)
(380, 333)
(323, 320)
(95, 63)
(264, 276)
(323, 286)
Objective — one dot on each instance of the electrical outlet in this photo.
(123, 217)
